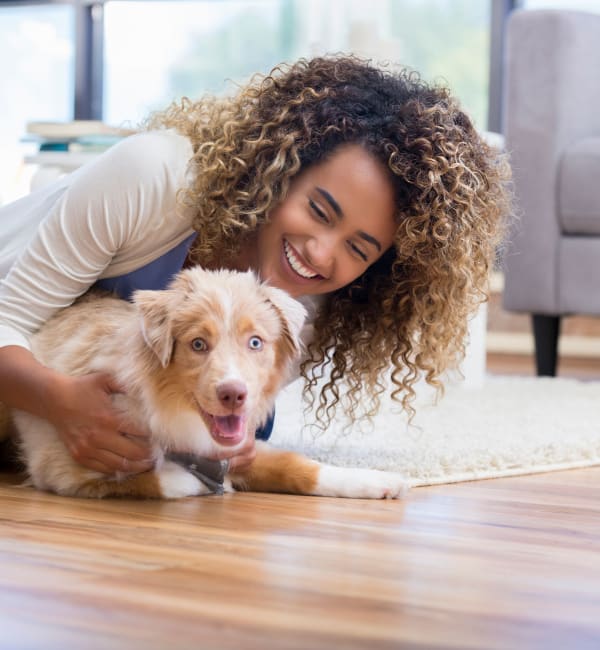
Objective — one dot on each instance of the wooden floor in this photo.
(507, 563)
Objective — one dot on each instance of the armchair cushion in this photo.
(578, 191)
(552, 133)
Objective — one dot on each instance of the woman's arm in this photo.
(79, 407)
(114, 206)
(104, 207)
(121, 198)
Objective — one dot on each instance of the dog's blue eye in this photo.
(255, 343)
(199, 345)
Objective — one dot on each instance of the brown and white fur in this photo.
(202, 362)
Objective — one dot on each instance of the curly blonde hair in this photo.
(406, 316)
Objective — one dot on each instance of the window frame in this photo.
(89, 55)
(500, 11)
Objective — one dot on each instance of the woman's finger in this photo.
(124, 446)
(96, 465)
(130, 432)
(112, 462)
(242, 461)
(110, 384)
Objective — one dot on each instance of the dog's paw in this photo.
(360, 483)
(228, 486)
(176, 482)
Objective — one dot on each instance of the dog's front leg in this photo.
(168, 481)
(275, 470)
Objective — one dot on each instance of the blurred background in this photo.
(117, 60)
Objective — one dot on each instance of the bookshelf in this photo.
(66, 146)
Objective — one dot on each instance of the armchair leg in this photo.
(546, 330)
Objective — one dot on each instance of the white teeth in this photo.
(295, 263)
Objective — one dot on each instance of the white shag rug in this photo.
(510, 426)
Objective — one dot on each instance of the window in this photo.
(572, 5)
(36, 77)
(159, 51)
(156, 51)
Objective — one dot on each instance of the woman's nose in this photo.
(320, 253)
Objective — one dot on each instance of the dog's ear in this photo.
(154, 308)
(291, 314)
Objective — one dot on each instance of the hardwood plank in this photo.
(508, 563)
(585, 369)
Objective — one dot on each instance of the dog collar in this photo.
(210, 472)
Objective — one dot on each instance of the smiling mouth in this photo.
(225, 429)
(296, 265)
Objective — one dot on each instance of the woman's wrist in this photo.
(26, 384)
(55, 393)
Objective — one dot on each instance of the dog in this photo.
(202, 361)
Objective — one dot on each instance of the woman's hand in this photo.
(99, 437)
(96, 434)
(244, 456)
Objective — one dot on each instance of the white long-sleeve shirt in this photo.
(112, 216)
(108, 218)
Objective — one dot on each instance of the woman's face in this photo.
(336, 221)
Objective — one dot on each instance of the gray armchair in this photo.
(552, 132)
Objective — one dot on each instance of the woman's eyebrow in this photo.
(338, 210)
(370, 239)
(332, 202)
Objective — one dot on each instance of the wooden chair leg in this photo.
(546, 330)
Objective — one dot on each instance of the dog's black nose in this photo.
(232, 394)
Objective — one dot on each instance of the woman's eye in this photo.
(358, 251)
(199, 345)
(255, 343)
(321, 215)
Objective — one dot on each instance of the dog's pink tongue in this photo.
(230, 428)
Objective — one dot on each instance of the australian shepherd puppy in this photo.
(202, 362)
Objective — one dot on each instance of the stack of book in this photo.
(79, 136)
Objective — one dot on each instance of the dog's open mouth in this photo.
(226, 429)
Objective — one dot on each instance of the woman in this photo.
(366, 193)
